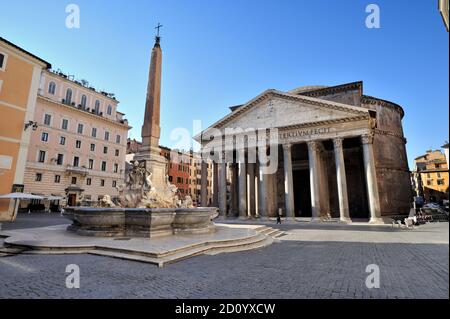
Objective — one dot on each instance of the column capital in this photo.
(312, 145)
(337, 142)
(367, 138)
(287, 146)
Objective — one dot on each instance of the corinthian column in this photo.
(223, 188)
(314, 180)
(341, 181)
(242, 189)
(251, 189)
(215, 185)
(204, 183)
(288, 181)
(371, 179)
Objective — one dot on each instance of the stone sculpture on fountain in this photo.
(139, 192)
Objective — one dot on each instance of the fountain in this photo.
(142, 211)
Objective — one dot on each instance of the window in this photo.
(57, 179)
(64, 124)
(44, 137)
(429, 182)
(52, 88)
(60, 159)
(439, 174)
(106, 136)
(116, 152)
(91, 164)
(62, 140)
(102, 182)
(38, 177)
(80, 128)
(78, 144)
(103, 166)
(118, 139)
(68, 96)
(2, 61)
(97, 106)
(41, 158)
(92, 147)
(47, 119)
(437, 165)
(116, 168)
(114, 183)
(76, 161)
(170, 178)
(88, 181)
(440, 182)
(83, 100)
(74, 180)
(94, 132)
(105, 149)
(109, 111)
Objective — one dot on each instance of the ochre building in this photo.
(20, 73)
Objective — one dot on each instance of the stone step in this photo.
(11, 250)
(278, 233)
(269, 231)
(255, 242)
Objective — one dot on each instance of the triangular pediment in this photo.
(278, 109)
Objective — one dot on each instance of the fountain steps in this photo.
(254, 238)
(211, 248)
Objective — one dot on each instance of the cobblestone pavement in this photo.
(299, 266)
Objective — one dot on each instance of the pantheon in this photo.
(340, 156)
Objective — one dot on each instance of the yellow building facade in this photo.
(20, 73)
(431, 177)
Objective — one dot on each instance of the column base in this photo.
(376, 221)
(345, 220)
(316, 220)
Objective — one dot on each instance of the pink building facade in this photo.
(78, 149)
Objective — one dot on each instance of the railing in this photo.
(77, 170)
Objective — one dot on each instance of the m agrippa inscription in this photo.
(304, 133)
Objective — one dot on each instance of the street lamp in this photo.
(33, 124)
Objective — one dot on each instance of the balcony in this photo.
(77, 170)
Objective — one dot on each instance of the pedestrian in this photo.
(279, 216)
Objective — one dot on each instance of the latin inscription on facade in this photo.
(304, 133)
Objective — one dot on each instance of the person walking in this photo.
(279, 217)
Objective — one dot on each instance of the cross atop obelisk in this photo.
(159, 26)
(158, 37)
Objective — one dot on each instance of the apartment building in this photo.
(20, 73)
(430, 176)
(79, 146)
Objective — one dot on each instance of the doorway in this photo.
(72, 199)
(302, 193)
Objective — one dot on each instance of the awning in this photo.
(21, 196)
(53, 197)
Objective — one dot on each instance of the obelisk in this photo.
(150, 152)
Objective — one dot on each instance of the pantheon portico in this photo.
(333, 153)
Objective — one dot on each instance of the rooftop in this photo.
(48, 65)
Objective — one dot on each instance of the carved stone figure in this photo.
(140, 192)
(106, 201)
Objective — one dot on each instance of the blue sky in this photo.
(219, 53)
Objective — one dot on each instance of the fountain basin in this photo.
(140, 222)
